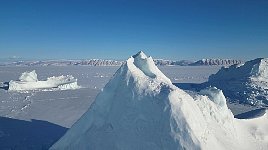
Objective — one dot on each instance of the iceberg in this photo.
(29, 81)
(247, 83)
(139, 108)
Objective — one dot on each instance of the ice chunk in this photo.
(247, 83)
(215, 95)
(144, 63)
(29, 81)
(28, 76)
(260, 69)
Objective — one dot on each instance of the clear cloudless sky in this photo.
(116, 29)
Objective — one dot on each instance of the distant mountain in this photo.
(103, 62)
(216, 62)
(162, 62)
(90, 62)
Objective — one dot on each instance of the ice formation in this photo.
(28, 76)
(29, 81)
(139, 108)
(247, 83)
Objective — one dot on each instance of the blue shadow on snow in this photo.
(28, 135)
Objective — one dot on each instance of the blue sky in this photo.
(116, 29)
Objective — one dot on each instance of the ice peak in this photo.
(140, 54)
(215, 95)
(259, 67)
(257, 61)
(29, 76)
(140, 65)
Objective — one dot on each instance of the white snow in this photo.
(139, 108)
(215, 95)
(28, 76)
(247, 83)
(29, 81)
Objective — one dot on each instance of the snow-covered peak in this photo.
(217, 62)
(142, 66)
(140, 55)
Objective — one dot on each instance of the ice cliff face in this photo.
(139, 108)
(247, 83)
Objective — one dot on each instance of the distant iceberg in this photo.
(29, 81)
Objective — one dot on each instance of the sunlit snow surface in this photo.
(140, 108)
(63, 108)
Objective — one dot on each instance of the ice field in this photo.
(140, 108)
(37, 119)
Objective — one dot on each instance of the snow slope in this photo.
(247, 82)
(140, 108)
(29, 81)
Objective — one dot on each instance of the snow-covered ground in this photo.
(27, 117)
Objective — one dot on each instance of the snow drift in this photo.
(140, 108)
(247, 82)
(29, 81)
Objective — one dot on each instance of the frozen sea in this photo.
(37, 119)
